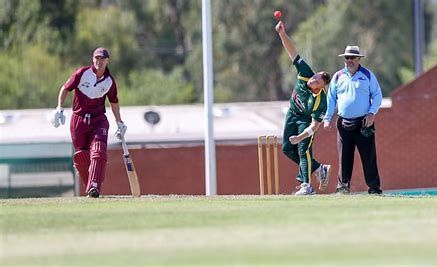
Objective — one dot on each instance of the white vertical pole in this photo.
(210, 168)
(418, 36)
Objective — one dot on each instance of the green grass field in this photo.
(357, 230)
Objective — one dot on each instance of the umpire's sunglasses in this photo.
(350, 57)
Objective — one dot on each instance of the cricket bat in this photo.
(130, 170)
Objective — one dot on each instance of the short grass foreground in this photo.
(356, 230)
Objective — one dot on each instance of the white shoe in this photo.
(322, 174)
(305, 189)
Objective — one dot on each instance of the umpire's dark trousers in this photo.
(347, 139)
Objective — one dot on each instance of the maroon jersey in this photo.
(90, 93)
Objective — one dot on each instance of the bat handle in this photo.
(123, 144)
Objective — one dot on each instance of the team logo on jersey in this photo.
(298, 103)
(86, 84)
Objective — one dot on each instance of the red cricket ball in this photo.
(277, 14)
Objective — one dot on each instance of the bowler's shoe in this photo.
(305, 189)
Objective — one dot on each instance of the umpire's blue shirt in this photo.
(354, 95)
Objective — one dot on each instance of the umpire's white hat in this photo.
(352, 50)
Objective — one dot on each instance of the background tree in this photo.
(383, 35)
(156, 45)
(248, 48)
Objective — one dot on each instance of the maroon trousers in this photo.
(90, 137)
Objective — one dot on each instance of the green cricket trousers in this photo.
(300, 153)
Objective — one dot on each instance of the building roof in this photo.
(424, 86)
(178, 124)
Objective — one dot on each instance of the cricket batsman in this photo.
(89, 125)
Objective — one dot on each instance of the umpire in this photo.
(357, 94)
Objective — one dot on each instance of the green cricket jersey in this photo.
(303, 102)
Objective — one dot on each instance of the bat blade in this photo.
(132, 175)
(130, 170)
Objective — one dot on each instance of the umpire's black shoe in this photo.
(93, 192)
(375, 191)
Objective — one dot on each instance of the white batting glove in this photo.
(58, 117)
(121, 130)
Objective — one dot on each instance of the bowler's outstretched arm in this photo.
(288, 44)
